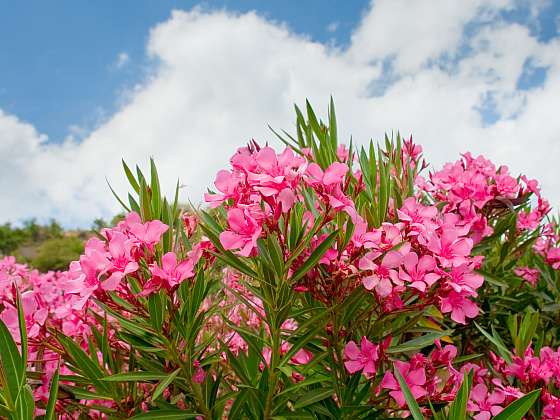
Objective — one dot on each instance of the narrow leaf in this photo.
(410, 401)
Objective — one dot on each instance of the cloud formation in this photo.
(450, 78)
(122, 60)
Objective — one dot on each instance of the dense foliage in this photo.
(45, 247)
(323, 281)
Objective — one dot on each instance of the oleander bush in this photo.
(322, 281)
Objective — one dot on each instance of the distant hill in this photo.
(45, 247)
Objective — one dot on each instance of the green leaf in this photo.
(25, 404)
(458, 408)
(313, 396)
(410, 401)
(117, 197)
(418, 342)
(156, 194)
(518, 408)
(84, 394)
(303, 340)
(22, 331)
(527, 330)
(164, 384)
(156, 307)
(314, 258)
(165, 414)
(12, 367)
(136, 377)
(53, 394)
(332, 124)
(302, 384)
(84, 364)
(502, 349)
(131, 179)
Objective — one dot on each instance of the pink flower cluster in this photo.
(420, 256)
(532, 371)
(433, 260)
(435, 377)
(548, 245)
(47, 307)
(474, 188)
(427, 252)
(60, 301)
(258, 189)
(426, 376)
(106, 262)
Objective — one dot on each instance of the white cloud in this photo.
(332, 27)
(223, 77)
(122, 60)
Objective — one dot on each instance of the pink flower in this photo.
(199, 375)
(463, 279)
(287, 198)
(450, 249)
(414, 378)
(445, 355)
(419, 272)
(551, 410)
(227, 184)
(382, 274)
(485, 404)
(302, 357)
(334, 174)
(189, 222)
(363, 358)
(531, 275)
(419, 218)
(170, 274)
(243, 234)
(528, 220)
(342, 153)
(122, 262)
(149, 233)
(459, 306)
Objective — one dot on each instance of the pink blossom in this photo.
(459, 306)
(531, 275)
(419, 218)
(302, 357)
(334, 174)
(419, 271)
(381, 274)
(122, 262)
(227, 184)
(190, 222)
(342, 153)
(199, 374)
(414, 378)
(149, 233)
(243, 234)
(484, 403)
(449, 248)
(464, 280)
(363, 358)
(170, 274)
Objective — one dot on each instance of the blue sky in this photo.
(62, 70)
(84, 84)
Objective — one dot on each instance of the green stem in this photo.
(187, 369)
(273, 377)
(336, 354)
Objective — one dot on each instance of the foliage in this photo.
(325, 281)
(45, 247)
(57, 253)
